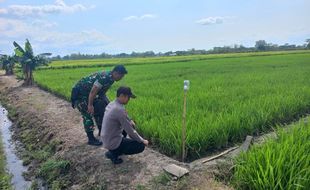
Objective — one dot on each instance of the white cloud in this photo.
(148, 16)
(44, 24)
(31, 10)
(3, 11)
(76, 38)
(211, 20)
(143, 17)
(11, 27)
(131, 18)
(20, 29)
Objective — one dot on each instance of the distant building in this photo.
(172, 54)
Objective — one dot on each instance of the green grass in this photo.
(228, 99)
(52, 170)
(149, 60)
(281, 164)
(5, 178)
(39, 150)
(162, 179)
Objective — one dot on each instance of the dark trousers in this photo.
(128, 147)
(99, 109)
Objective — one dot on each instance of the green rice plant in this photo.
(279, 164)
(151, 60)
(229, 98)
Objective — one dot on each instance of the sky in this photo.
(62, 27)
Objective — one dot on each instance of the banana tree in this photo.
(8, 63)
(308, 43)
(29, 61)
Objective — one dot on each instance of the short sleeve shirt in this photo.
(102, 80)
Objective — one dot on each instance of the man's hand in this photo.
(145, 142)
(91, 97)
(90, 109)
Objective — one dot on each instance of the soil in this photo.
(89, 168)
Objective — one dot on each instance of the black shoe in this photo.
(117, 161)
(109, 155)
(92, 140)
(113, 158)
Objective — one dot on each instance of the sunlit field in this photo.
(228, 99)
(148, 60)
(283, 163)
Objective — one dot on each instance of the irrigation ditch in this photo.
(54, 150)
(14, 165)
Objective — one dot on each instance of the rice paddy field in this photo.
(229, 96)
(282, 163)
(153, 60)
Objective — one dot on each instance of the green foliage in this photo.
(58, 185)
(229, 98)
(95, 186)
(260, 45)
(5, 179)
(140, 187)
(28, 60)
(53, 169)
(5, 182)
(19, 51)
(27, 57)
(34, 151)
(308, 43)
(28, 49)
(281, 164)
(39, 149)
(162, 179)
(7, 63)
(34, 185)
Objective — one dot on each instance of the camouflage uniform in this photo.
(103, 80)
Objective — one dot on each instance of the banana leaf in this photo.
(18, 50)
(28, 48)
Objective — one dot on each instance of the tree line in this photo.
(260, 45)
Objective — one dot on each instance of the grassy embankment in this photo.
(39, 150)
(5, 179)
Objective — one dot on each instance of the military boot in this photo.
(115, 159)
(92, 140)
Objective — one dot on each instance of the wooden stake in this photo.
(219, 155)
(184, 128)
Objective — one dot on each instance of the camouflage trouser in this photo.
(99, 108)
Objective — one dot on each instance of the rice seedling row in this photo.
(229, 98)
(151, 60)
(282, 163)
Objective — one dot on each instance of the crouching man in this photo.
(116, 121)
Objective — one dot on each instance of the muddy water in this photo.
(14, 165)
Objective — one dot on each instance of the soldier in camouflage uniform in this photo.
(89, 96)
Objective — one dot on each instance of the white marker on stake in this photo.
(186, 85)
(186, 88)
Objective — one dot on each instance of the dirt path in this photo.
(89, 167)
